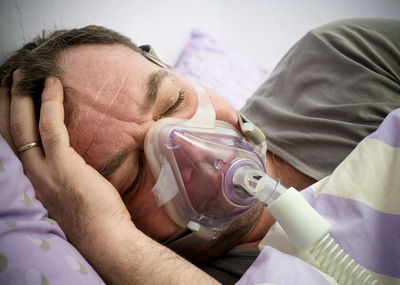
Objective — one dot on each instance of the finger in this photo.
(23, 126)
(5, 102)
(52, 129)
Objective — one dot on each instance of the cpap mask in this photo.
(193, 162)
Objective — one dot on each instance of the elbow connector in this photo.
(252, 182)
(301, 222)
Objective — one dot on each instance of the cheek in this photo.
(142, 202)
(145, 213)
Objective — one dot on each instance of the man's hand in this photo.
(87, 206)
(81, 200)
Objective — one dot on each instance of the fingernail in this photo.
(49, 82)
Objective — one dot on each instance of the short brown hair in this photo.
(38, 58)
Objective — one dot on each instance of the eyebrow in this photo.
(114, 163)
(153, 84)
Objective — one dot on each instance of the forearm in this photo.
(130, 257)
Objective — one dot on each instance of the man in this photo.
(114, 146)
(113, 96)
(109, 111)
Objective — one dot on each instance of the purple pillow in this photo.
(228, 72)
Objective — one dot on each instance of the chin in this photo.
(230, 238)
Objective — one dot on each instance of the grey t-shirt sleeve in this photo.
(333, 88)
(230, 267)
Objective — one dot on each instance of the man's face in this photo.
(113, 96)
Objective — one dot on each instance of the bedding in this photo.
(361, 202)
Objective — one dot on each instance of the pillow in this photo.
(228, 72)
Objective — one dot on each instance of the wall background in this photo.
(262, 29)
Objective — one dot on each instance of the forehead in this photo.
(104, 86)
(91, 68)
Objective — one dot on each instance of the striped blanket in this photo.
(361, 200)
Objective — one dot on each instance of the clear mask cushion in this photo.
(193, 163)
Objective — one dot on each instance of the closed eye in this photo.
(175, 106)
(138, 178)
